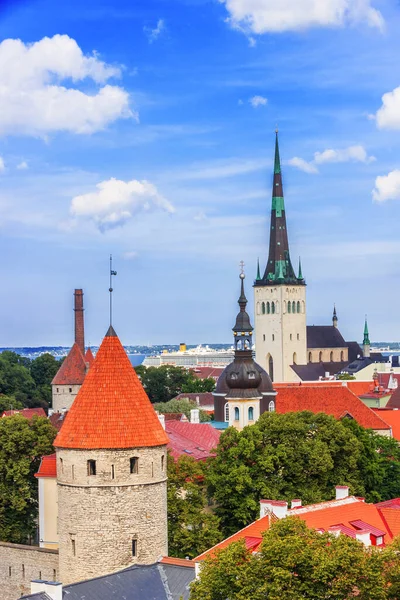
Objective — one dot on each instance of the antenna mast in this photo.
(112, 273)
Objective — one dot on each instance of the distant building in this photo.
(70, 377)
(28, 413)
(198, 440)
(286, 347)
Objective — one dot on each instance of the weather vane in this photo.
(112, 273)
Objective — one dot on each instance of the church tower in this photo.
(366, 342)
(111, 472)
(280, 297)
(244, 389)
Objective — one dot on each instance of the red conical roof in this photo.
(73, 369)
(112, 409)
(89, 358)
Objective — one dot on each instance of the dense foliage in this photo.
(184, 405)
(298, 455)
(22, 444)
(165, 382)
(297, 562)
(25, 382)
(191, 529)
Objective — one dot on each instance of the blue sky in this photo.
(146, 129)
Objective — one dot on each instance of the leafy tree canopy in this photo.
(191, 530)
(283, 456)
(165, 382)
(297, 562)
(183, 405)
(22, 444)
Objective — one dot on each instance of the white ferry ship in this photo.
(201, 356)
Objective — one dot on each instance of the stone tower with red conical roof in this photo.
(111, 472)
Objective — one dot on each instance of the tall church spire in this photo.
(366, 342)
(279, 268)
(334, 318)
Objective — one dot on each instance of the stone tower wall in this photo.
(100, 515)
(280, 334)
(63, 396)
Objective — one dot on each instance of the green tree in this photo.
(294, 562)
(9, 403)
(345, 377)
(282, 456)
(14, 375)
(183, 405)
(163, 383)
(22, 443)
(197, 385)
(191, 530)
(44, 368)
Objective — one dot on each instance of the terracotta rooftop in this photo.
(48, 467)
(73, 369)
(28, 413)
(201, 398)
(349, 515)
(111, 410)
(89, 358)
(179, 562)
(191, 439)
(332, 400)
(392, 418)
(205, 372)
(57, 419)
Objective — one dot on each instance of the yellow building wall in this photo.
(48, 513)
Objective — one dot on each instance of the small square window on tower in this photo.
(91, 467)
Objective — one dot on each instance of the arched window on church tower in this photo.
(298, 307)
(273, 307)
(310, 357)
(263, 308)
(293, 306)
(289, 307)
(271, 406)
(331, 357)
(294, 358)
(268, 308)
(342, 356)
(237, 414)
(251, 414)
(320, 357)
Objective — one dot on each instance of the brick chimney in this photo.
(79, 321)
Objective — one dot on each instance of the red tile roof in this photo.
(179, 562)
(48, 467)
(111, 410)
(73, 369)
(394, 401)
(89, 358)
(191, 439)
(205, 372)
(393, 503)
(345, 514)
(57, 419)
(28, 413)
(337, 401)
(392, 417)
(200, 398)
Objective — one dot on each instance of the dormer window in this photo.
(252, 374)
(234, 376)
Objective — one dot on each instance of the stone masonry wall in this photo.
(20, 564)
(62, 397)
(100, 515)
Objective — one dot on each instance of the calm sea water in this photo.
(136, 359)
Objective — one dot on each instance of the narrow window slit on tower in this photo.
(73, 546)
(134, 547)
(134, 464)
(91, 467)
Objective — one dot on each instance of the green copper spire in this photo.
(277, 162)
(300, 276)
(280, 276)
(258, 278)
(366, 341)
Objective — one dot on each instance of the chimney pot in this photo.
(195, 415)
(296, 503)
(342, 491)
(162, 420)
(364, 536)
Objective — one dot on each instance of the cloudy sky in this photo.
(146, 129)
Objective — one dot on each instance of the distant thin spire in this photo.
(366, 341)
(258, 278)
(334, 317)
(277, 161)
(300, 276)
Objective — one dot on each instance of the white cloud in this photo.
(303, 165)
(262, 16)
(22, 165)
(154, 34)
(352, 153)
(33, 101)
(2, 165)
(387, 187)
(388, 116)
(257, 101)
(114, 202)
(219, 169)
